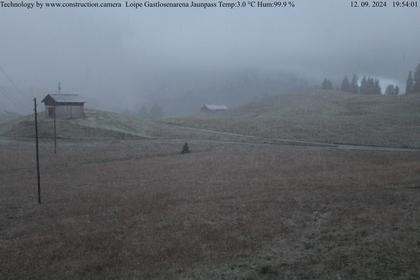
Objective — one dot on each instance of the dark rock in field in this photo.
(268, 269)
(185, 149)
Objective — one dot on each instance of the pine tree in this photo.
(377, 88)
(327, 85)
(370, 86)
(354, 86)
(416, 87)
(345, 85)
(410, 84)
(364, 86)
(391, 90)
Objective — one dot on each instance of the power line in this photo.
(11, 101)
(20, 93)
(10, 79)
(37, 152)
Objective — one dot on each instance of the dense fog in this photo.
(122, 59)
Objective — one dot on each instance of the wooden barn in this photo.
(210, 108)
(64, 106)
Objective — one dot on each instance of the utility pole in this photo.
(55, 131)
(37, 153)
(55, 121)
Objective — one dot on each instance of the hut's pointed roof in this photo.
(63, 99)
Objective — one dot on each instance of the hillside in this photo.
(324, 116)
(101, 125)
(8, 116)
(96, 124)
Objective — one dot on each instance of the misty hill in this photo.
(7, 120)
(6, 116)
(100, 125)
(96, 124)
(185, 91)
(325, 116)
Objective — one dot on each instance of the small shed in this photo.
(64, 106)
(211, 108)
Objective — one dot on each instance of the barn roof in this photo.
(214, 107)
(63, 99)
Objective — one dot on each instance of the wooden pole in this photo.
(37, 153)
(55, 131)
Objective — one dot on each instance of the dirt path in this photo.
(292, 142)
(238, 139)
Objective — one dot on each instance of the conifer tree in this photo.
(377, 88)
(389, 90)
(392, 90)
(345, 85)
(363, 86)
(410, 84)
(354, 86)
(327, 85)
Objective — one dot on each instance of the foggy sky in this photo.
(118, 58)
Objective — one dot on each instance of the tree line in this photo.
(370, 85)
(367, 85)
